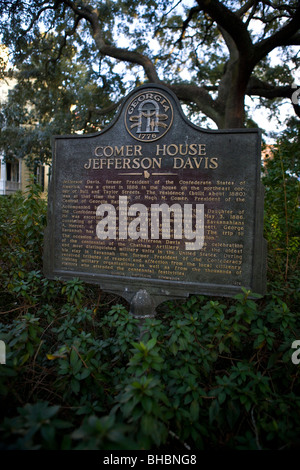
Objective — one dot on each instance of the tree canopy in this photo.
(76, 59)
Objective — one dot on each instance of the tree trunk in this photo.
(232, 93)
(235, 107)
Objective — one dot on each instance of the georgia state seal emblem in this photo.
(148, 116)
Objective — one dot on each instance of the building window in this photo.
(12, 171)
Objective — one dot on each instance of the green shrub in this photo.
(281, 178)
(204, 374)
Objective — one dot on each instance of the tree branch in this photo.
(231, 45)
(279, 7)
(198, 95)
(186, 23)
(64, 39)
(292, 41)
(282, 37)
(109, 109)
(246, 7)
(122, 54)
(230, 22)
(251, 14)
(257, 87)
(36, 17)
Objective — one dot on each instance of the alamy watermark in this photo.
(153, 223)
(2, 352)
(296, 354)
(296, 94)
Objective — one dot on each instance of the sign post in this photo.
(154, 207)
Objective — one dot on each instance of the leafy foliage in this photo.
(204, 374)
(50, 97)
(282, 218)
(76, 60)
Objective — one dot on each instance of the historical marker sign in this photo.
(157, 204)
